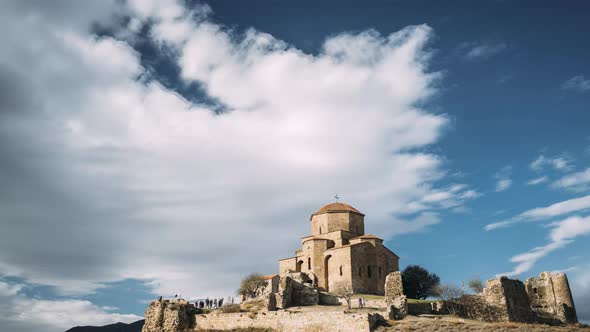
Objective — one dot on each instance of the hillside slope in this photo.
(117, 327)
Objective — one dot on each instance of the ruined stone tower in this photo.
(550, 297)
(339, 251)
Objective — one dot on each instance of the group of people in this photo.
(210, 303)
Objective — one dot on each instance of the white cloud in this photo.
(536, 181)
(561, 163)
(108, 177)
(578, 204)
(562, 233)
(20, 313)
(481, 50)
(577, 83)
(503, 180)
(503, 184)
(453, 197)
(578, 181)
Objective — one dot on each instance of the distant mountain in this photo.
(118, 327)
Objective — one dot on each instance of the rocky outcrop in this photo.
(169, 316)
(304, 294)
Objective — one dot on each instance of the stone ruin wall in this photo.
(289, 321)
(396, 301)
(551, 298)
(544, 299)
(510, 298)
(169, 316)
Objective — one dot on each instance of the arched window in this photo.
(309, 263)
(368, 271)
(320, 230)
(340, 270)
(379, 271)
(360, 271)
(357, 229)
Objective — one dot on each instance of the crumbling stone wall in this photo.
(395, 300)
(170, 316)
(283, 296)
(474, 306)
(393, 285)
(551, 298)
(428, 308)
(509, 297)
(290, 321)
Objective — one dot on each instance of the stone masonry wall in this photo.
(551, 298)
(396, 302)
(169, 316)
(288, 321)
(509, 297)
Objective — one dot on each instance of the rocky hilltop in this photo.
(293, 303)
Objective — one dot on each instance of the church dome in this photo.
(337, 207)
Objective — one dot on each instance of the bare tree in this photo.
(251, 285)
(450, 295)
(475, 285)
(344, 290)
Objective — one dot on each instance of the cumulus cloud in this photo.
(107, 177)
(578, 181)
(20, 313)
(481, 50)
(503, 180)
(577, 83)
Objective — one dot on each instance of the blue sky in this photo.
(155, 148)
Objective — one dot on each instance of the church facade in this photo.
(339, 251)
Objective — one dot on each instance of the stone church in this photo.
(339, 251)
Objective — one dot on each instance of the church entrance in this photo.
(327, 273)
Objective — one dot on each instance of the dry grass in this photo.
(250, 329)
(451, 324)
(368, 296)
(253, 305)
(230, 308)
(420, 301)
